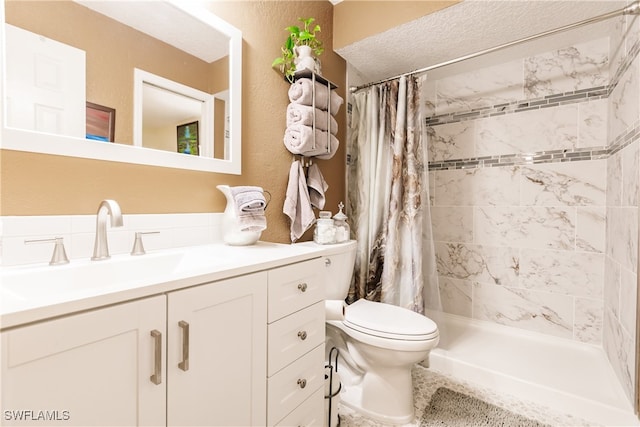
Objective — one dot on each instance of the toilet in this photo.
(378, 344)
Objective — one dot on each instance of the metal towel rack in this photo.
(308, 74)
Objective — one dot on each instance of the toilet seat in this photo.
(389, 321)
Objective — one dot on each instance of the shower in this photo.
(533, 182)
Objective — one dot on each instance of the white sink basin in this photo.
(33, 293)
(82, 277)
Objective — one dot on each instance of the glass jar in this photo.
(343, 231)
(325, 231)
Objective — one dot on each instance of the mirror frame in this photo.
(39, 142)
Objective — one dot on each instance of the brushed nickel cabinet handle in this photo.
(184, 365)
(302, 383)
(156, 378)
(302, 287)
(302, 335)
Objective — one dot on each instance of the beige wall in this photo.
(355, 20)
(36, 184)
(264, 99)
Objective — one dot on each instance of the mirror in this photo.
(173, 117)
(180, 50)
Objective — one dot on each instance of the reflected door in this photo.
(45, 84)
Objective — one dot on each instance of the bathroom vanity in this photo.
(208, 335)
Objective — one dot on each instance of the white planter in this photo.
(304, 59)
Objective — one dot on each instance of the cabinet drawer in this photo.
(285, 390)
(293, 336)
(294, 287)
(309, 414)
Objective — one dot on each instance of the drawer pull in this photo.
(302, 335)
(184, 365)
(302, 287)
(156, 378)
(302, 383)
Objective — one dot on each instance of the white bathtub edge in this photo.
(561, 401)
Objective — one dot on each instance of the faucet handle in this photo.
(138, 247)
(59, 256)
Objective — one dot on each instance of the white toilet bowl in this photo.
(378, 345)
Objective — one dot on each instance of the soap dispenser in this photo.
(343, 231)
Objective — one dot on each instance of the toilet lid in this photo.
(389, 321)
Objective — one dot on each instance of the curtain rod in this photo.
(632, 9)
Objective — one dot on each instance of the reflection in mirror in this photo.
(162, 107)
(45, 84)
(190, 47)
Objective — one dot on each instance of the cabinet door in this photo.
(217, 353)
(87, 369)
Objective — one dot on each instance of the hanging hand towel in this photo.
(297, 205)
(301, 92)
(250, 204)
(299, 140)
(317, 186)
(298, 114)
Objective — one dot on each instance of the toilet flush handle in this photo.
(327, 262)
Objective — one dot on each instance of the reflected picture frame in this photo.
(188, 139)
(100, 122)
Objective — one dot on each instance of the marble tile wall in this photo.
(621, 263)
(534, 169)
(519, 222)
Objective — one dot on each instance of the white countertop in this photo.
(38, 292)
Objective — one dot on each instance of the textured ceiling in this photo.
(471, 26)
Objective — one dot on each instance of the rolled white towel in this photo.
(299, 114)
(249, 198)
(299, 140)
(250, 204)
(301, 92)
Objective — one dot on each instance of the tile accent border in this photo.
(552, 156)
(555, 100)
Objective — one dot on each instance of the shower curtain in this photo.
(389, 198)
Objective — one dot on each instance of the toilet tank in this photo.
(339, 262)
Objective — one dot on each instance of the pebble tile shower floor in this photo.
(426, 382)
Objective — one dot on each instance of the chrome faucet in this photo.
(107, 207)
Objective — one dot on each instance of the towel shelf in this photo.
(308, 74)
(315, 77)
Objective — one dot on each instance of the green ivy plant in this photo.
(305, 36)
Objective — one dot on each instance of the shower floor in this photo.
(552, 380)
(566, 376)
(427, 381)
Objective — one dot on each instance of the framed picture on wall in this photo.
(188, 138)
(101, 122)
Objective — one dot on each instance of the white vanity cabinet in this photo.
(295, 350)
(216, 367)
(92, 368)
(238, 350)
(97, 366)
